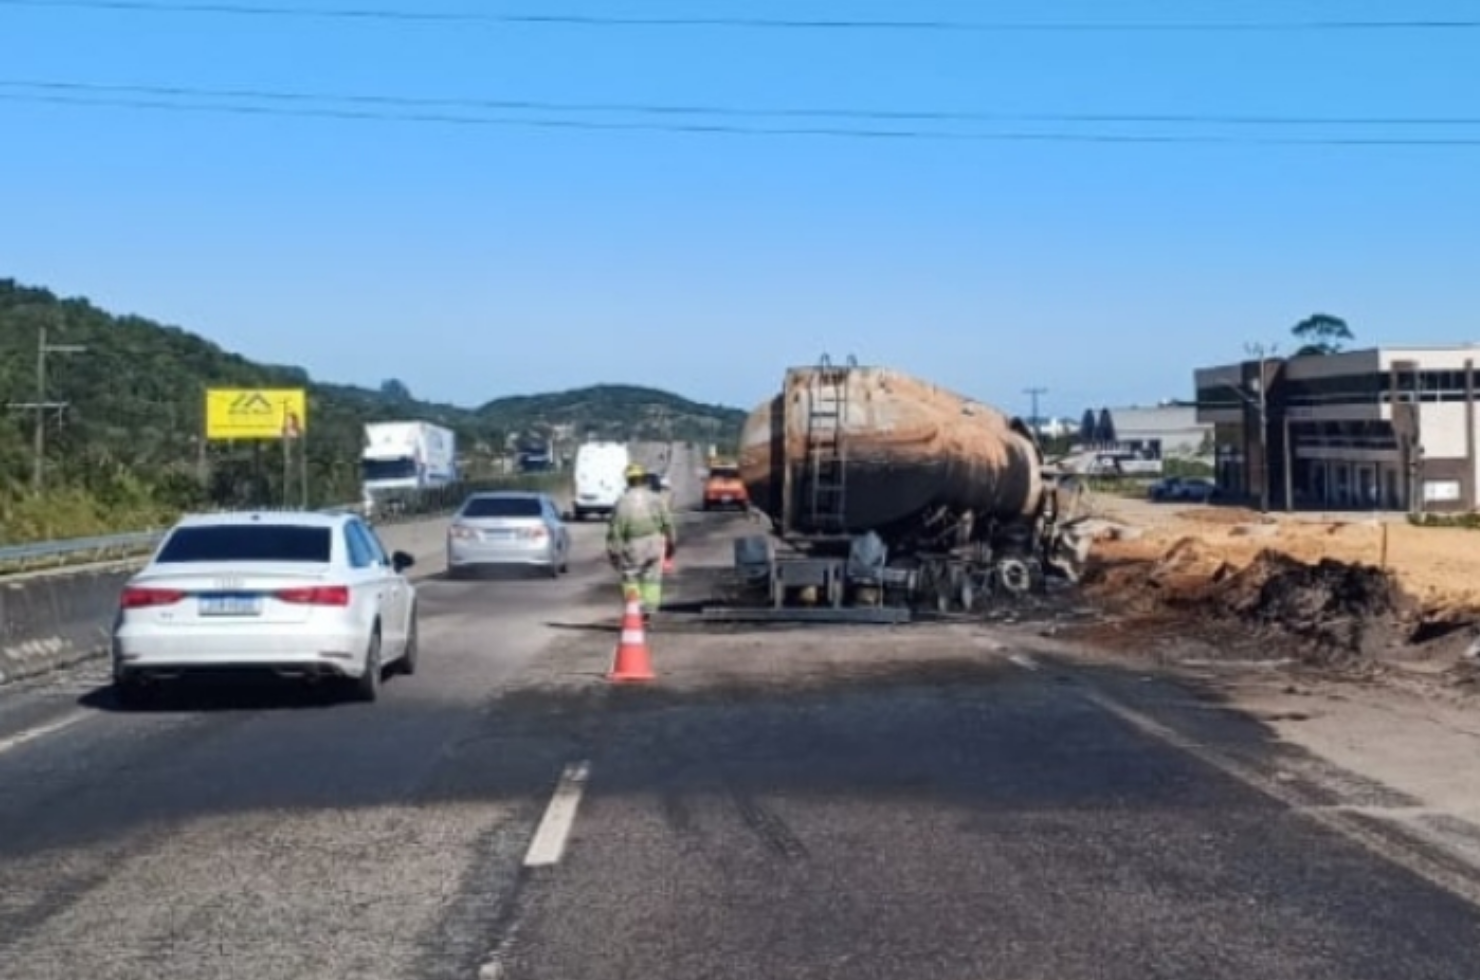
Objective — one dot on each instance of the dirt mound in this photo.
(1325, 613)
(1342, 611)
(1221, 515)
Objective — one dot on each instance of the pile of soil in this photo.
(1221, 515)
(1341, 613)
(1328, 613)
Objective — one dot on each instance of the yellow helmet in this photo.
(636, 472)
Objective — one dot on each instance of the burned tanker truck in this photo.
(886, 493)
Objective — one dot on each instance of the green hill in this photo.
(128, 451)
(617, 412)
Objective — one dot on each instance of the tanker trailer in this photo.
(947, 486)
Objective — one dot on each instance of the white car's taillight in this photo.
(319, 595)
(463, 533)
(136, 597)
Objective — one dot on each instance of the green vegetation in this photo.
(1187, 468)
(127, 452)
(618, 412)
(1321, 333)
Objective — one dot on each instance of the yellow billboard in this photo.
(256, 413)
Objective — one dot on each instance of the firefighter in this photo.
(638, 538)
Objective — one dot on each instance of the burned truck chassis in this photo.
(887, 494)
(949, 564)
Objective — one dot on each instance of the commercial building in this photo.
(1137, 439)
(1381, 429)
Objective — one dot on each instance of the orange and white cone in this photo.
(633, 662)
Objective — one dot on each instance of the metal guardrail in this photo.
(392, 508)
(24, 553)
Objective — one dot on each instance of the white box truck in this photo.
(600, 478)
(405, 457)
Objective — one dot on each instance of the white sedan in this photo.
(298, 594)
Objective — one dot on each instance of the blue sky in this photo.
(474, 261)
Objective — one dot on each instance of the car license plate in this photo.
(230, 605)
(498, 535)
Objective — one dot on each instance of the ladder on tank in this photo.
(827, 450)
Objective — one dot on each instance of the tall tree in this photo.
(1087, 426)
(395, 390)
(1321, 333)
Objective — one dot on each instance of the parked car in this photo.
(508, 528)
(1194, 488)
(1199, 489)
(298, 594)
(1166, 488)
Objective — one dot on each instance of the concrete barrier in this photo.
(52, 620)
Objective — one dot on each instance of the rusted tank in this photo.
(915, 458)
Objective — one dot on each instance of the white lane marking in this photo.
(1464, 885)
(1024, 661)
(41, 731)
(548, 845)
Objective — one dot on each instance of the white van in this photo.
(600, 477)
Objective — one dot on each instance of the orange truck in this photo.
(723, 489)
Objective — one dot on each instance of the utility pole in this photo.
(1263, 354)
(1034, 393)
(41, 406)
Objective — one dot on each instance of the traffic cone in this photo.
(632, 662)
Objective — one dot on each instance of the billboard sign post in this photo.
(255, 413)
(262, 415)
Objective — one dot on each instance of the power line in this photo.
(730, 129)
(740, 112)
(751, 22)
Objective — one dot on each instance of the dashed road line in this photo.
(41, 731)
(1024, 661)
(548, 846)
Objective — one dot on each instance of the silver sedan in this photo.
(508, 529)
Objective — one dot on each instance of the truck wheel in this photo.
(1015, 576)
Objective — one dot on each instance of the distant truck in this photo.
(535, 457)
(600, 478)
(401, 458)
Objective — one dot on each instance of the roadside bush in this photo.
(74, 513)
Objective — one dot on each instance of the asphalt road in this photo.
(808, 803)
(270, 833)
(951, 820)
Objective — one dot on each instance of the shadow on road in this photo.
(228, 692)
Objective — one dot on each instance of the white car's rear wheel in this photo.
(408, 659)
(367, 685)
